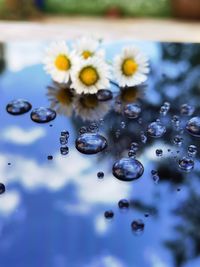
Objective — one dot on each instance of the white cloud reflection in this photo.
(107, 261)
(74, 169)
(9, 202)
(21, 136)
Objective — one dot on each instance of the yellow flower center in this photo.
(86, 54)
(64, 96)
(62, 63)
(89, 101)
(130, 94)
(129, 67)
(89, 76)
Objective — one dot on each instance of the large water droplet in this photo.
(18, 107)
(156, 129)
(186, 164)
(128, 169)
(91, 143)
(193, 126)
(132, 111)
(42, 115)
(104, 95)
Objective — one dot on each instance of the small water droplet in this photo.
(186, 164)
(155, 176)
(156, 129)
(90, 143)
(117, 133)
(165, 108)
(134, 146)
(137, 227)
(18, 107)
(50, 157)
(178, 140)
(187, 110)
(64, 133)
(123, 124)
(128, 169)
(83, 130)
(192, 151)
(132, 153)
(123, 204)
(93, 127)
(63, 140)
(104, 95)
(159, 152)
(109, 214)
(43, 115)
(2, 188)
(100, 175)
(193, 126)
(64, 150)
(143, 137)
(132, 111)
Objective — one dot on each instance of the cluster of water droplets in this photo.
(64, 136)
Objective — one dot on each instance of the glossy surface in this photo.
(52, 207)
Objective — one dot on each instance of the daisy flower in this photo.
(59, 62)
(90, 76)
(88, 107)
(61, 99)
(87, 47)
(131, 67)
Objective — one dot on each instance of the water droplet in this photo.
(90, 143)
(187, 110)
(109, 214)
(132, 153)
(175, 121)
(100, 175)
(134, 146)
(137, 227)
(143, 137)
(9, 163)
(93, 127)
(2, 188)
(156, 129)
(123, 204)
(104, 95)
(42, 115)
(117, 133)
(178, 140)
(128, 169)
(64, 133)
(159, 152)
(64, 150)
(186, 164)
(132, 111)
(123, 124)
(193, 126)
(146, 215)
(50, 157)
(155, 176)
(83, 130)
(18, 107)
(192, 151)
(63, 140)
(165, 108)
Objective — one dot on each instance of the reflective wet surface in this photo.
(57, 211)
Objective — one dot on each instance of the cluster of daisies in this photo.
(85, 69)
(79, 73)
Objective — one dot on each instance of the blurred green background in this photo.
(23, 9)
(30, 8)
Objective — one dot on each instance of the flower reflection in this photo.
(61, 98)
(88, 107)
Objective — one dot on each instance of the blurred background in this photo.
(32, 9)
